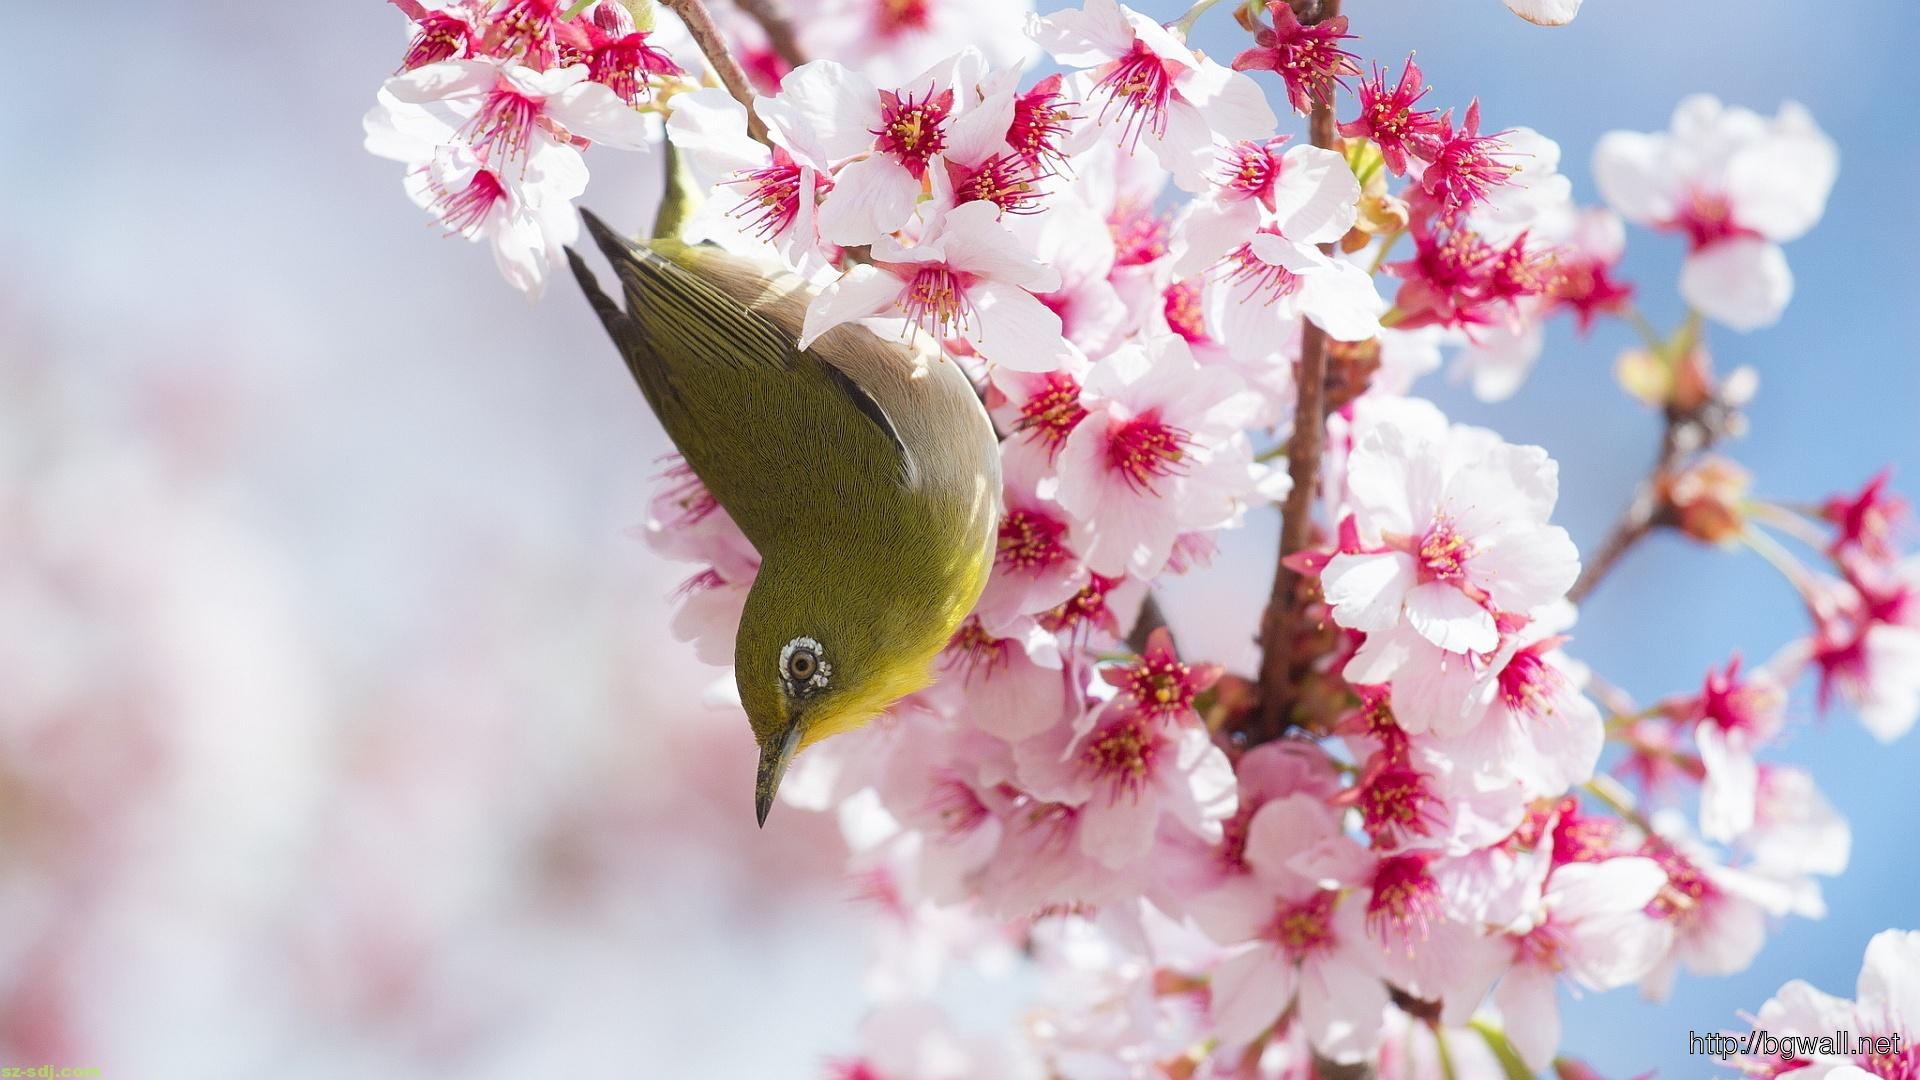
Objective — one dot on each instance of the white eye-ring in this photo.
(803, 667)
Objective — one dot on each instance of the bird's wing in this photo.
(753, 414)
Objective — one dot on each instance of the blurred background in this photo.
(340, 731)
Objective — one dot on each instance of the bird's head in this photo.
(814, 658)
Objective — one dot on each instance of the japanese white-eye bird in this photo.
(863, 470)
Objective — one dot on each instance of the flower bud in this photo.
(1708, 499)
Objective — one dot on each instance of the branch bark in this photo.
(713, 45)
(1280, 626)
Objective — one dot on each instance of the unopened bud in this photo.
(1708, 499)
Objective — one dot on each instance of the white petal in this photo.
(595, 112)
(862, 291)
(1451, 619)
(824, 112)
(1315, 197)
(1366, 592)
(1249, 992)
(1530, 1013)
(1635, 176)
(870, 198)
(1779, 186)
(975, 241)
(1741, 282)
(1013, 329)
(1545, 13)
(1341, 300)
(710, 128)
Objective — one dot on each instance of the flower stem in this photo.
(1185, 22)
(1503, 1050)
(1618, 799)
(1386, 245)
(713, 46)
(1281, 626)
(574, 11)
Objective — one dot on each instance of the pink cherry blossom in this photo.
(1456, 533)
(969, 280)
(1591, 929)
(1155, 456)
(1309, 58)
(1153, 87)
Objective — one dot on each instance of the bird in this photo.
(865, 472)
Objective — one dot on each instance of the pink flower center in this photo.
(891, 18)
(1396, 805)
(466, 210)
(1143, 449)
(1405, 900)
(441, 37)
(1305, 928)
(1707, 216)
(1005, 180)
(1140, 86)
(1443, 553)
(1139, 235)
(1039, 122)
(936, 299)
(1687, 888)
(1184, 314)
(772, 197)
(1088, 607)
(525, 29)
(1544, 946)
(1053, 412)
(627, 65)
(1123, 753)
(1586, 839)
(1030, 542)
(1529, 685)
(1249, 171)
(913, 129)
(953, 803)
(502, 131)
(976, 650)
(1161, 685)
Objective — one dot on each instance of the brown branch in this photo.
(713, 45)
(1280, 627)
(780, 35)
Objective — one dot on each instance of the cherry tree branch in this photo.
(713, 45)
(1280, 627)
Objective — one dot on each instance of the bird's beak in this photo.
(773, 765)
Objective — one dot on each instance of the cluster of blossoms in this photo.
(1131, 257)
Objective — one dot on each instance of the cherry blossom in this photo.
(969, 281)
(1156, 455)
(1737, 185)
(1455, 533)
(1153, 88)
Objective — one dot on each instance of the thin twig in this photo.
(713, 46)
(1280, 626)
(780, 35)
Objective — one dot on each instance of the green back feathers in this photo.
(865, 472)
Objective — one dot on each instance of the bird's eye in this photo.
(803, 667)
